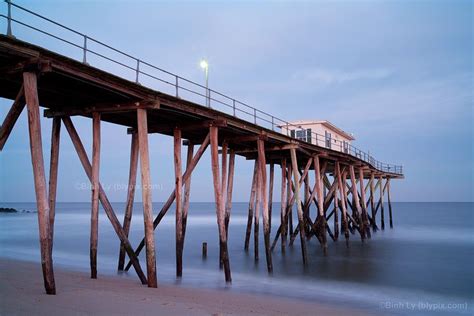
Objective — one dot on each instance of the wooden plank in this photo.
(95, 193)
(81, 152)
(220, 208)
(12, 116)
(294, 163)
(42, 204)
(132, 181)
(142, 126)
(105, 108)
(251, 206)
(53, 174)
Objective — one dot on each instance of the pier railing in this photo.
(94, 52)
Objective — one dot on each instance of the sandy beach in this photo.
(22, 293)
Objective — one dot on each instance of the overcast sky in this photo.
(397, 74)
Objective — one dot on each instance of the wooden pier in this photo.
(347, 194)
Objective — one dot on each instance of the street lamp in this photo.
(204, 65)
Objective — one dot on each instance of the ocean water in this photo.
(423, 266)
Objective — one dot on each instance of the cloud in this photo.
(335, 76)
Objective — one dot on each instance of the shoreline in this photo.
(22, 293)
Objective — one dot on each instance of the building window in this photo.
(345, 146)
(302, 134)
(328, 139)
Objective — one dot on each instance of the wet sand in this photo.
(22, 293)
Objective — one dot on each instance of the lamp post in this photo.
(204, 65)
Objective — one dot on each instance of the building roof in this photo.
(322, 122)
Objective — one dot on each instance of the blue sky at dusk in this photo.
(397, 74)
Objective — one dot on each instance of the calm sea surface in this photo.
(424, 265)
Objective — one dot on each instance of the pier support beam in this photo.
(357, 212)
(187, 189)
(372, 202)
(81, 152)
(230, 188)
(220, 207)
(53, 174)
(256, 213)
(381, 204)
(297, 199)
(142, 126)
(31, 96)
(321, 222)
(341, 179)
(270, 196)
(171, 197)
(179, 202)
(264, 197)
(284, 205)
(132, 181)
(389, 202)
(251, 206)
(12, 116)
(365, 219)
(95, 193)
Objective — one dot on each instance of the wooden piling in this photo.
(365, 219)
(290, 198)
(204, 250)
(321, 223)
(142, 127)
(53, 174)
(389, 202)
(251, 206)
(270, 196)
(284, 202)
(179, 202)
(294, 163)
(356, 203)
(220, 208)
(109, 211)
(256, 217)
(230, 188)
(132, 181)
(381, 204)
(223, 192)
(11, 117)
(372, 204)
(171, 197)
(31, 96)
(187, 189)
(265, 208)
(341, 179)
(95, 193)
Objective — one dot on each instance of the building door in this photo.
(328, 139)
